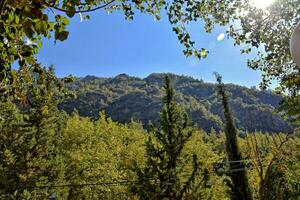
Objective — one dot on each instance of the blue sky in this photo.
(107, 45)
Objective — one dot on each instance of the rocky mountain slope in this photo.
(124, 98)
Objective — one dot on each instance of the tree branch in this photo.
(79, 11)
(2, 4)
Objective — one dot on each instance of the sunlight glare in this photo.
(262, 4)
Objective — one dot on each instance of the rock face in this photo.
(125, 98)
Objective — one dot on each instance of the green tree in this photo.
(275, 164)
(208, 184)
(239, 181)
(100, 151)
(29, 135)
(162, 177)
(268, 32)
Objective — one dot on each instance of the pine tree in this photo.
(29, 135)
(162, 177)
(240, 189)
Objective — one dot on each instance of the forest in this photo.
(46, 151)
(124, 98)
(163, 137)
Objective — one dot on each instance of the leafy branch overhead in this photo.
(33, 20)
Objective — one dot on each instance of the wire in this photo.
(114, 183)
(128, 182)
(243, 169)
(245, 160)
(125, 182)
(93, 169)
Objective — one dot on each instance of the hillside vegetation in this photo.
(125, 98)
(48, 154)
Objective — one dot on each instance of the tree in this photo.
(265, 32)
(29, 136)
(275, 163)
(239, 180)
(100, 151)
(163, 176)
(268, 33)
(210, 151)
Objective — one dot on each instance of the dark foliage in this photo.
(161, 178)
(124, 98)
(240, 189)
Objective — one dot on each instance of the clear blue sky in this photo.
(107, 45)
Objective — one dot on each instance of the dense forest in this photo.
(163, 137)
(125, 98)
(46, 152)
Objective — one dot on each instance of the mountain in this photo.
(124, 98)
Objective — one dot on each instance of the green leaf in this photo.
(63, 35)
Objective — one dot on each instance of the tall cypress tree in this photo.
(161, 178)
(240, 189)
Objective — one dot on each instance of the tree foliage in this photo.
(100, 151)
(268, 33)
(272, 156)
(239, 181)
(42, 148)
(124, 97)
(24, 23)
(29, 135)
(45, 151)
(162, 177)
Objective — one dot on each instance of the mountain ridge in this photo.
(125, 97)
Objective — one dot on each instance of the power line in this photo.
(239, 161)
(243, 169)
(128, 182)
(93, 169)
(113, 183)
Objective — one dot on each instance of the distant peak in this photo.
(123, 75)
(176, 79)
(89, 78)
(160, 75)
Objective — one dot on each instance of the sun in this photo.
(262, 4)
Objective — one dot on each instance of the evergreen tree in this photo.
(162, 177)
(239, 181)
(29, 136)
